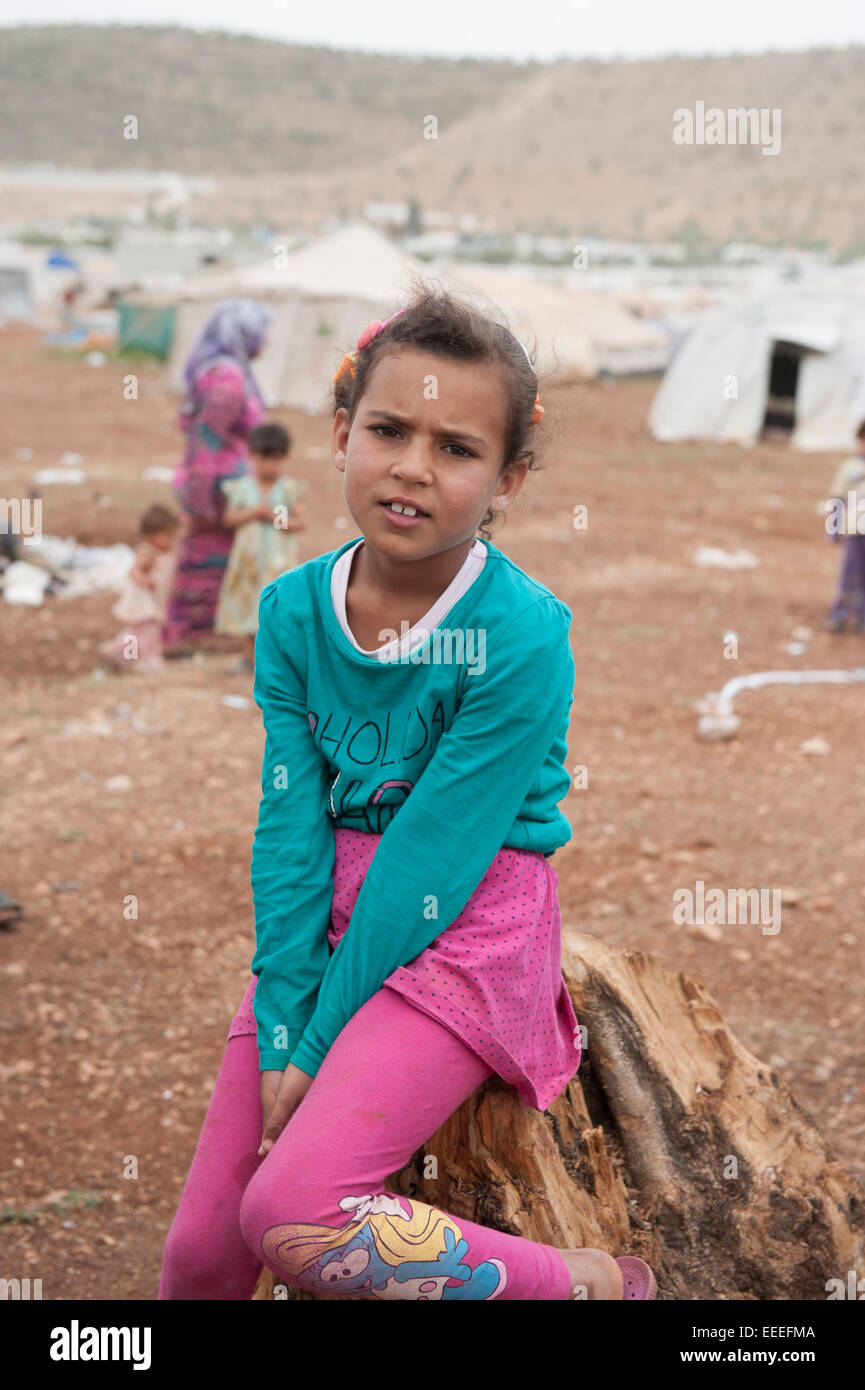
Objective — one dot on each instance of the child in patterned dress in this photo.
(265, 513)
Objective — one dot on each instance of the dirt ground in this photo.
(113, 1028)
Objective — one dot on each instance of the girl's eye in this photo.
(463, 452)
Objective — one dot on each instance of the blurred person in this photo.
(848, 488)
(144, 594)
(265, 513)
(223, 406)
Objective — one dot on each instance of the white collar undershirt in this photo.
(420, 631)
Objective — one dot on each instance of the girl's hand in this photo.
(281, 1094)
(264, 513)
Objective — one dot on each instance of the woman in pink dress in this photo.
(223, 406)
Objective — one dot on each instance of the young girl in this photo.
(265, 513)
(408, 928)
(144, 595)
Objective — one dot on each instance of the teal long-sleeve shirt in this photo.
(450, 755)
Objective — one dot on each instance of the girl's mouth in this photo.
(403, 515)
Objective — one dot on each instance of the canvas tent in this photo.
(577, 333)
(792, 360)
(322, 297)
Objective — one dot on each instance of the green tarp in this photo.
(146, 327)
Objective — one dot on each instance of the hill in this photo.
(573, 148)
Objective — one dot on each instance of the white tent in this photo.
(794, 356)
(578, 333)
(322, 297)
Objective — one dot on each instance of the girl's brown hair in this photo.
(437, 322)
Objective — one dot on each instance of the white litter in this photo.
(96, 358)
(157, 474)
(59, 475)
(84, 569)
(796, 649)
(24, 584)
(70, 459)
(816, 745)
(709, 557)
(236, 701)
(24, 455)
(120, 783)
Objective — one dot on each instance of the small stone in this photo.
(710, 930)
(823, 904)
(741, 954)
(815, 746)
(802, 634)
(649, 849)
(790, 897)
(120, 783)
(848, 939)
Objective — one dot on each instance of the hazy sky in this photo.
(517, 29)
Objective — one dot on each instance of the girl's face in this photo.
(267, 470)
(428, 432)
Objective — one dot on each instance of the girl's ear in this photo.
(510, 481)
(339, 437)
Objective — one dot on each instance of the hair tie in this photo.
(372, 330)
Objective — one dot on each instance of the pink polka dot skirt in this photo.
(493, 977)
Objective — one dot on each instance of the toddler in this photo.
(144, 595)
(264, 511)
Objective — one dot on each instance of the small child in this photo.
(144, 595)
(848, 485)
(264, 511)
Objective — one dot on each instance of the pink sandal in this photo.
(638, 1278)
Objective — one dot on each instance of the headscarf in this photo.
(234, 333)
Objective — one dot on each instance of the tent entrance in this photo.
(779, 419)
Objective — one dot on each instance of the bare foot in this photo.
(594, 1274)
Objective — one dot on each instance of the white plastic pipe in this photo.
(760, 678)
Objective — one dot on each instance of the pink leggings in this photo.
(313, 1210)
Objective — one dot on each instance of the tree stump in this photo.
(672, 1142)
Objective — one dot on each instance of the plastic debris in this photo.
(120, 783)
(710, 557)
(236, 701)
(24, 584)
(59, 475)
(158, 474)
(816, 746)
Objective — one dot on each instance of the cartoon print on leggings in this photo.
(389, 1248)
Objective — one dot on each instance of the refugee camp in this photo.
(432, 615)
